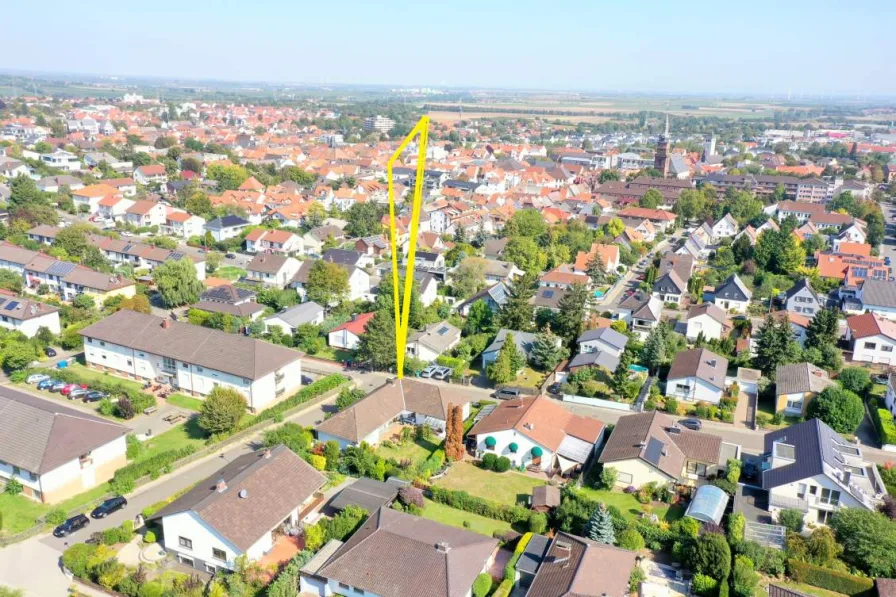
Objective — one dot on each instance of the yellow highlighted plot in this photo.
(402, 311)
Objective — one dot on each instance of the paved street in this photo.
(628, 281)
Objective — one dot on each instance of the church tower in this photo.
(661, 158)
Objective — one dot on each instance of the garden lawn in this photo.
(90, 374)
(456, 518)
(809, 589)
(229, 272)
(529, 378)
(187, 402)
(507, 488)
(415, 451)
(630, 507)
(20, 512)
(330, 353)
(188, 433)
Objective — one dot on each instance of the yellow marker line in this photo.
(402, 312)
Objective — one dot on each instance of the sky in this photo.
(664, 46)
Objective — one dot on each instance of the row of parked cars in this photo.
(79, 521)
(436, 372)
(72, 391)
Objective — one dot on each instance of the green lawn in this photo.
(508, 488)
(456, 518)
(630, 507)
(188, 433)
(20, 512)
(529, 378)
(808, 589)
(185, 402)
(229, 272)
(90, 374)
(330, 353)
(415, 451)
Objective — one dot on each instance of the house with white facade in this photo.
(264, 240)
(433, 341)
(238, 510)
(732, 295)
(872, 338)
(641, 311)
(291, 318)
(182, 224)
(726, 227)
(523, 341)
(878, 297)
(811, 468)
(604, 339)
(697, 375)
(802, 299)
(62, 160)
(27, 316)
(368, 419)
(348, 335)
(144, 213)
(226, 227)
(671, 283)
(150, 174)
(706, 319)
(54, 451)
(358, 280)
(272, 269)
(87, 199)
(191, 359)
(537, 431)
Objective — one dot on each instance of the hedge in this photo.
(469, 503)
(886, 427)
(510, 568)
(503, 589)
(124, 478)
(110, 385)
(825, 578)
(312, 390)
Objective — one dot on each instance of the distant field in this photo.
(455, 116)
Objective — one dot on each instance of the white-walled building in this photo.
(54, 451)
(348, 335)
(872, 338)
(697, 375)
(27, 316)
(706, 319)
(433, 341)
(272, 269)
(182, 224)
(236, 511)
(190, 358)
(732, 295)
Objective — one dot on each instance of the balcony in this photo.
(783, 502)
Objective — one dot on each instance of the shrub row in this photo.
(468, 503)
(832, 580)
(312, 390)
(510, 568)
(503, 589)
(124, 478)
(886, 427)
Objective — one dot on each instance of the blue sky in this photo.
(760, 47)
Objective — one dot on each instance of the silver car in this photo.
(428, 371)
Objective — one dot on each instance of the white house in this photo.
(54, 451)
(264, 240)
(697, 375)
(190, 358)
(811, 468)
(706, 319)
(182, 224)
(61, 159)
(272, 269)
(724, 228)
(641, 311)
(153, 173)
(290, 319)
(872, 338)
(87, 198)
(732, 295)
(878, 297)
(348, 335)
(538, 431)
(602, 339)
(433, 341)
(237, 510)
(226, 227)
(144, 213)
(27, 316)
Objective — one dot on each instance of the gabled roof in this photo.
(274, 482)
(226, 222)
(604, 334)
(356, 325)
(869, 324)
(401, 555)
(801, 378)
(802, 284)
(814, 446)
(298, 314)
(577, 567)
(702, 364)
(40, 435)
(710, 309)
(878, 293)
(733, 289)
(523, 341)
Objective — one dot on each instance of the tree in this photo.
(298, 176)
(631, 539)
(364, 219)
(744, 579)
(199, 204)
(508, 364)
(384, 301)
(572, 307)
(525, 253)
(454, 433)
(651, 199)
(517, 312)
(377, 343)
(711, 556)
(84, 301)
(469, 277)
(775, 345)
(327, 283)
(192, 164)
(348, 397)
(607, 176)
(222, 410)
(527, 223)
(547, 351)
(228, 177)
(742, 249)
(597, 269)
(608, 477)
(822, 329)
(18, 355)
(691, 204)
(839, 408)
(480, 319)
(10, 280)
(600, 526)
(177, 282)
(614, 227)
(868, 539)
(855, 379)
(653, 354)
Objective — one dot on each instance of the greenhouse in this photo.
(708, 504)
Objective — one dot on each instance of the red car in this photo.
(72, 386)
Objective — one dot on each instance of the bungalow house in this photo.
(811, 468)
(796, 385)
(604, 339)
(708, 320)
(264, 240)
(872, 338)
(226, 227)
(392, 553)
(54, 451)
(672, 278)
(523, 341)
(291, 318)
(642, 312)
(652, 447)
(538, 432)
(697, 375)
(368, 419)
(230, 300)
(563, 277)
(237, 511)
(349, 333)
(802, 300)
(433, 341)
(494, 297)
(732, 295)
(272, 269)
(150, 174)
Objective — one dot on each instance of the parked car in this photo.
(306, 380)
(108, 507)
(507, 393)
(555, 388)
(75, 523)
(230, 255)
(58, 386)
(692, 424)
(428, 371)
(78, 394)
(50, 352)
(72, 386)
(37, 378)
(94, 396)
(442, 373)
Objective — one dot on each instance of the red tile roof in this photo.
(356, 325)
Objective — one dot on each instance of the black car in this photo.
(230, 256)
(692, 424)
(555, 388)
(75, 523)
(94, 396)
(50, 352)
(306, 380)
(108, 507)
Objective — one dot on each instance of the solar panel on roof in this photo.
(11, 306)
(442, 331)
(654, 451)
(548, 294)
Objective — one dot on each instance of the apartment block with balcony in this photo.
(811, 468)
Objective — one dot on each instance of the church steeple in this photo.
(661, 157)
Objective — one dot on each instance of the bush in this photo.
(56, 516)
(838, 407)
(468, 503)
(510, 567)
(745, 579)
(608, 477)
(314, 537)
(689, 527)
(77, 559)
(317, 461)
(482, 586)
(711, 556)
(411, 495)
(704, 585)
(124, 479)
(886, 427)
(149, 537)
(825, 578)
(222, 410)
(488, 461)
(736, 525)
(503, 589)
(125, 409)
(630, 539)
(671, 405)
(312, 390)
(502, 464)
(855, 379)
(725, 485)
(791, 519)
(13, 487)
(732, 470)
(347, 397)
(538, 523)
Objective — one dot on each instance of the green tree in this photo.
(775, 345)
(742, 249)
(547, 351)
(469, 277)
(651, 199)
(525, 253)
(10, 280)
(177, 282)
(855, 379)
(517, 312)
(480, 319)
(527, 223)
(18, 355)
(73, 239)
(607, 176)
(744, 578)
(822, 329)
(614, 227)
(348, 397)
(711, 556)
(377, 343)
(384, 302)
(327, 283)
(839, 408)
(84, 301)
(364, 219)
(653, 354)
(222, 410)
(868, 539)
(600, 526)
(631, 539)
(228, 177)
(691, 204)
(199, 204)
(572, 309)
(298, 176)
(597, 269)
(192, 164)
(508, 364)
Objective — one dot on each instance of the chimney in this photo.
(267, 453)
(221, 485)
(166, 324)
(354, 317)
(443, 547)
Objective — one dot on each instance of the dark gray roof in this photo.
(299, 314)
(343, 257)
(261, 489)
(227, 293)
(548, 298)
(813, 444)
(800, 378)
(533, 555)
(523, 340)
(368, 493)
(879, 293)
(800, 285)
(733, 289)
(599, 358)
(226, 222)
(39, 435)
